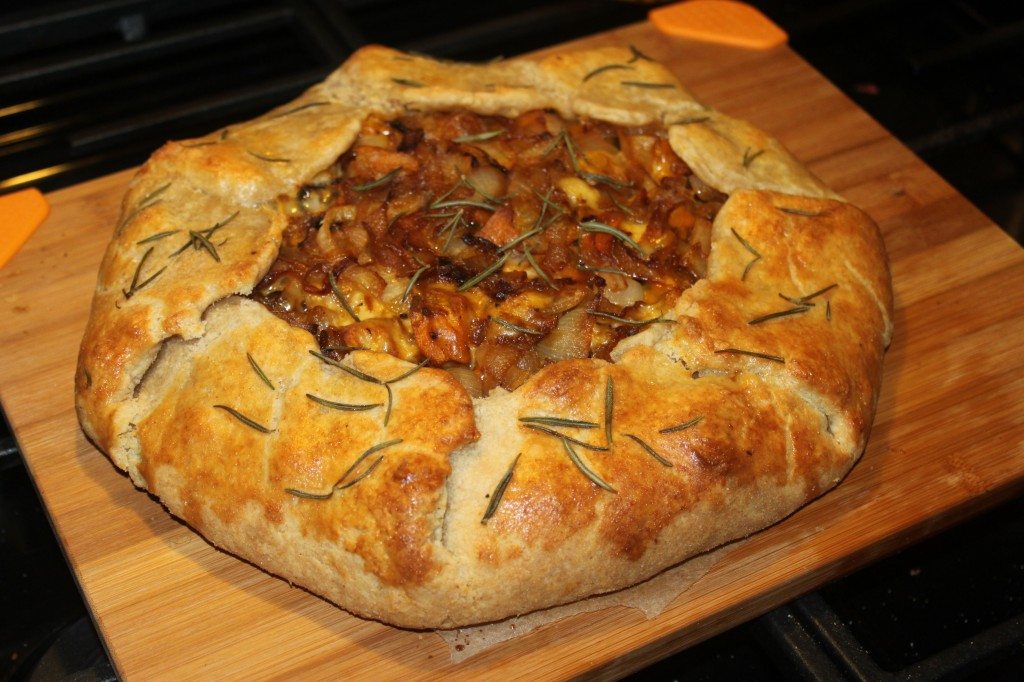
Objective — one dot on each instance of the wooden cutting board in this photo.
(948, 439)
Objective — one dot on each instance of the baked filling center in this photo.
(491, 246)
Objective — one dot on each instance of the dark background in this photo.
(89, 87)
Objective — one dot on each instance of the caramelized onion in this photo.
(488, 181)
(570, 339)
(622, 291)
(468, 378)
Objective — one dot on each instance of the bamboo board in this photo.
(948, 439)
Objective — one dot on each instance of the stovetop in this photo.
(88, 87)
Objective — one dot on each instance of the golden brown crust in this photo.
(776, 408)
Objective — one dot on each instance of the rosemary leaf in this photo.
(637, 54)
(409, 372)
(636, 323)
(648, 86)
(582, 466)
(259, 371)
(558, 421)
(533, 264)
(391, 403)
(479, 137)
(462, 202)
(344, 407)
(412, 282)
(745, 243)
(819, 292)
(515, 327)
(607, 67)
(156, 237)
(753, 354)
(499, 491)
(828, 310)
(749, 156)
(487, 272)
(589, 268)
(195, 145)
(341, 297)
(595, 226)
(622, 207)
(136, 285)
(520, 239)
(379, 182)
(268, 159)
(551, 432)
(782, 313)
(375, 448)
(408, 82)
(609, 408)
(682, 427)
(801, 212)
(369, 470)
(690, 120)
(345, 368)
(245, 420)
(649, 450)
(601, 179)
(308, 495)
(301, 107)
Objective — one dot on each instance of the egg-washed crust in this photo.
(771, 410)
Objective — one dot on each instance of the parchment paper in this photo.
(651, 597)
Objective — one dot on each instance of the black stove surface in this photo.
(88, 87)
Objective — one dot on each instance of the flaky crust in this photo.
(785, 405)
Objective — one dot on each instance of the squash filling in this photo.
(491, 246)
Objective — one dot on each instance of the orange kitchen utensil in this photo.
(20, 214)
(719, 21)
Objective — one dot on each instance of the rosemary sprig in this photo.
(259, 371)
(749, 155)
(607, 67)
(499, 491)
(379, 182)
(582, 466)
(609, 408)
(682, 427)
(782, 313)
(637, 54)
(801, 212)
(412, 282)
(533, 264)
(301, 107)
(595, 226)
(515, 327)
(484, 274)
(753, 354)
(136, 285)
(748, 247)
(156, 237)
(479, 137)
(649, 450)
(245, 420)
(268, 159)
(345, 368)
(344, 407)
(690, 120)
(648, 86)
(520, 239)
(200, 239)
(408, 82)
(341, 297)
(636, 323)
(558, 421)
(551, 432)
